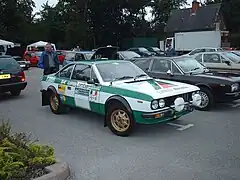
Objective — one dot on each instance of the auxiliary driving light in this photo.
(196, 100)
(179, 104)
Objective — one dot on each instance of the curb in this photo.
(57, 171)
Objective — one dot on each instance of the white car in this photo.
(203, 49)
(120, 91)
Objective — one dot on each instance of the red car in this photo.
(61, 55)
(32, 56)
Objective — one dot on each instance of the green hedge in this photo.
(20, 157)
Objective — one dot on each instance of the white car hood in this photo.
(156, 88)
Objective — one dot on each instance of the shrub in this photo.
(19, 155)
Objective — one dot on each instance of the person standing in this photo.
(49, 61)
(170, 51)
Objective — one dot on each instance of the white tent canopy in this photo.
(6, 43)
(39, 44)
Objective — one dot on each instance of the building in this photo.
(198, 18)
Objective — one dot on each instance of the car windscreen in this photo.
(190, 65)
(143, 50)
(8, 63)
(70, 56)
(233, 57)
(156, 49)
(111, 71)
(129, 54)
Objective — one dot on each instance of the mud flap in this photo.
(45, 97)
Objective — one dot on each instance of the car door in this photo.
(86, 94)
(64, 86)
(159, 68)
(214, 62)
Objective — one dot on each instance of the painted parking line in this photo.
(181, 127)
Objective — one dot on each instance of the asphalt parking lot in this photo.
(207, 147)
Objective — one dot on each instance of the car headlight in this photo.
(234, 87)
(154, 104)
(161, 103)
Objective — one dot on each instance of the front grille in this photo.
(169, 101)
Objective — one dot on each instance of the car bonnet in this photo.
(156, 88)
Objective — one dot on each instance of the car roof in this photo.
(98, 61)
(163, 57)
(5, 56)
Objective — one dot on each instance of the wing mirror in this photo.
(169, 72)
(93, 81)
(227, 62)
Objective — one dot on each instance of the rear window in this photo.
(8, 63)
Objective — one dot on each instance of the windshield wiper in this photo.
(123, 77)
(140, 75)
(194, 69)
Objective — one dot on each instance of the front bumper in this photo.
(13, 86)
(229, 97)
(162, 115)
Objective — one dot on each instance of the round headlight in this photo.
(179, 104)
(154, 104)
(161, 103)
(197, 99)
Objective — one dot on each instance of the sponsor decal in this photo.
(154, 84)
(93, 95)
(82, 91)
(62, 88)
(165, 85)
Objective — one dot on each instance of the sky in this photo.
(54, 2)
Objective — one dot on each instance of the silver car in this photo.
(220, 61)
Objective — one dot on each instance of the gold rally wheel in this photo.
(119, 120)
(55, 103)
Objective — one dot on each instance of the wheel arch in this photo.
(203, 85)
(116, 99)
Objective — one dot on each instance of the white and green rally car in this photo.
(120, 91)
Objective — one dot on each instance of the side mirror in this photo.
(227, 62)
(92, 81)
(169, 72)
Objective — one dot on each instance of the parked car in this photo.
(73, 56)
(220, 61)
(214, 86)
(12, 77)
(32, 56)
(61, 55)
(120, 91)
(142, 51)
(156, 50)
(203, 49)
(127, 55)
(23, 63)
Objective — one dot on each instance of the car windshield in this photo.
(111, 71)
(8, 63)
(70, 55)
(190, 65)
(143, 50)
(129, 54)
(38, 53)
(156, 49)
(233, 57)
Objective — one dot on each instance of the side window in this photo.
(211, 58)
(66, 72)
(81, 72)
(143, 64)
(175, 70)
(199, 58)
(196, 51)
(79, 57)
(210, 50)
(161, 65)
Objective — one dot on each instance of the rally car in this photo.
(120, 91)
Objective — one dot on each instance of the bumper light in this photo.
(179, 104)
(234, 87)
(196, 99)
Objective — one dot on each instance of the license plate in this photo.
(5, 76)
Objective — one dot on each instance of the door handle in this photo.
(69, 88)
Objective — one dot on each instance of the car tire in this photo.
(113, 112)
(207, 99)
(56, 105)
(15, 92)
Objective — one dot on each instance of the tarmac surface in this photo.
(206, 146)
